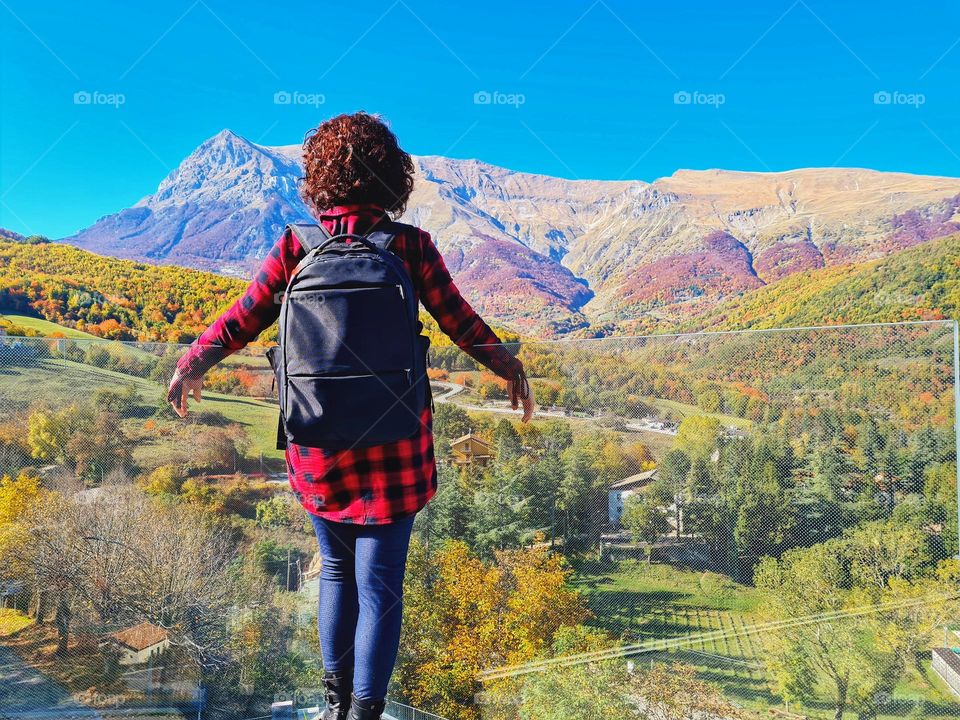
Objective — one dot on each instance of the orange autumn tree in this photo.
(463, 615)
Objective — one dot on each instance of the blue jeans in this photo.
(361, 608)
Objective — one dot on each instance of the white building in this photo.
(946, 663)
(620, 491)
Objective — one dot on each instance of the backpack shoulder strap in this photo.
(382, 238)
(384, 233)
(309, 235)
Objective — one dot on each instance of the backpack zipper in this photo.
(407, 371)
(375, 286)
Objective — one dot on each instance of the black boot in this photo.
(337, 689)
(365, 709)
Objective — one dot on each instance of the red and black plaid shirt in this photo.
(372, 485)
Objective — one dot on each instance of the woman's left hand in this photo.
(180, 388)
(520, 393)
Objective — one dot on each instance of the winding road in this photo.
(453, 389)
(27, 693)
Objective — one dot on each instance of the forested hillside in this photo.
(922, 283)
(127, 300)
(116, 299)
(119, 299)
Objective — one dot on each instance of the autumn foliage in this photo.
(463, 615)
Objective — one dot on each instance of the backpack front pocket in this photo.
(346, 411)
(361, 330)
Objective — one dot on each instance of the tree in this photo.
(881, 551)
(164, 480)
(114, 401)
(463, 613)
(53, 557)
(507, 442)
(645, 520)
(203, 495)
(673, 692)
(700, 483)
(491, 387)
(274, 559)
(940, 488)
(499, 521)
(450, 421)
(145, 561)
(764, 519)
(19, 499)
(537, 482)
(582, 690)
(273, 513)
(574, 486)
(90, 441)
(258, 643)
(557, 435)
(672, 484)
(451, 512)
(218, 449)
(708, 398)
(808, 583)
(98, 447)
(639, 457)
(697, 435)
(48, 432)
(831, 467)
(825, 640)
(547, 393)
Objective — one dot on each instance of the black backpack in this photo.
(351, 363)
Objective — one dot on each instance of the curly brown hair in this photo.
(352, 159)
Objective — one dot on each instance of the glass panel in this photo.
(714, 524)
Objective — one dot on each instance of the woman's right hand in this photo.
(520, 392)
(181, 387)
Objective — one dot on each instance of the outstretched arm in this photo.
(461, 323)
(255, 311)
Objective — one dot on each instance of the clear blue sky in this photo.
(772, 85)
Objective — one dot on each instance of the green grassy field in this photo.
(60, 382)
(684, 409)
(13, 621)
(641, 602)
(48, 329)
(632, 596)
(45, 327)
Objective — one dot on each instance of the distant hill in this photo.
(550, 256)
(55, 288)
(107, 297)
(122, 299)
(922, 283)
(10, 235)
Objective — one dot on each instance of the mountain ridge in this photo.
(549, 255)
